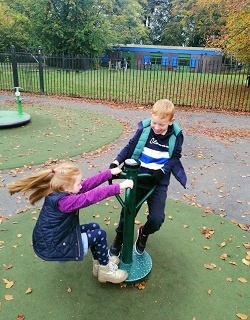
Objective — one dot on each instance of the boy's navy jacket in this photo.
(173, 165)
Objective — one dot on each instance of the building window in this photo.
(174, 62)
(193, 62)
(164, 61)
(184, 60)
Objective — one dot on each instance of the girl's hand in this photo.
(115, 171)
(127, 184)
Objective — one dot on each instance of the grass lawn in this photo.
(209, 90)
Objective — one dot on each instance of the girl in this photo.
(58, 235)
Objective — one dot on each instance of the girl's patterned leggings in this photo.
(97, 241)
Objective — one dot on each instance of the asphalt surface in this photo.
(215, 156)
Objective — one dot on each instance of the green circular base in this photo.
(13, 119)
(139, 268)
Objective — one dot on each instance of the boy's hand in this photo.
(113, 165)
(157, 175)
(115, 171)
(127, 184)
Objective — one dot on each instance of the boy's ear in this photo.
(172, 120)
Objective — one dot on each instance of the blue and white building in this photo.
(197, 59)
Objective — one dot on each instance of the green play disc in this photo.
(13, 118)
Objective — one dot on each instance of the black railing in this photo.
(210, 85)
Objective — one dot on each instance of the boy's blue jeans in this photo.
(156, 210)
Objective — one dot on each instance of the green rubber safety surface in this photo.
(178, 287)
(13, 118)
(55, 133)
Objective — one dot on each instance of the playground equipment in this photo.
(137, 266)
(14, 118)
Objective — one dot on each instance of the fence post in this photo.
(40, 69)
(14, 66)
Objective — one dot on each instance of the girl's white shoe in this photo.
(96, 264)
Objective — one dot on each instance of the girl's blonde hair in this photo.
(46, 181)
(163, 108)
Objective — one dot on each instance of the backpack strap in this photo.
(143, 138)
(172, 138)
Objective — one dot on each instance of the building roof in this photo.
(167, 49)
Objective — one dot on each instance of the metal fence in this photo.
(209, 85)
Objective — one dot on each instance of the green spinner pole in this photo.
(131, 168)
(137, 266)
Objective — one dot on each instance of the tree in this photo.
(81, 27)
(166, 28)
(127, 22)
(14, 28)
(183, 23)
(199, 19)
(234, 38)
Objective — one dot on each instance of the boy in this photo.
(157, 144)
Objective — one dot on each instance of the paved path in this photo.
(215, 156)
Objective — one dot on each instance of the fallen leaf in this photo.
(233, 263)
(246, 245)
(243, 280)
(8, 284)
(69, 290)
(9, 266)
(241, 316)
(206, 248)
(19, 235)
(223, 244)
(200, 155)
(246, 262)
(209, 266)
(20, 317)
(209, 292)
(141, 285)
(137, 222)
(229, 279)
(224, 256)
(29, 290)
(8, 297)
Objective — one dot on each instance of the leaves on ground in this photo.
(242, 316)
